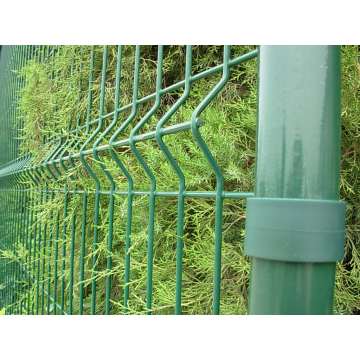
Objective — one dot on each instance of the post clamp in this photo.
(295, 230)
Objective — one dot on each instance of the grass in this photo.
(54, 100)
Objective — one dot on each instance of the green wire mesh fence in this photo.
(124, 172)
(123, 145)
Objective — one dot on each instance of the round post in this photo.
(295, 223)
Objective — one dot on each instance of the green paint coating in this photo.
(296, 230)
(298, 156)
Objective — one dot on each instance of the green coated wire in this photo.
(72, 255)
(51, 241)
(56, 255)
(43, 259)
(180, 174)
(218, 173)
(88, 169)
(82, 252)
(152, 178)
(38, 257)
(108, 279)
(128, 176)
(63, 255)
(41, 236)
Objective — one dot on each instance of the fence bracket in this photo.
(297, 230)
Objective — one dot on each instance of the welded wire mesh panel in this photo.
(123, 175)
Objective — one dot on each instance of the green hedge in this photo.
(51, 101)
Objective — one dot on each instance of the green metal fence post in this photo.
(295, 223)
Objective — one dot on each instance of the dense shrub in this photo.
(54, 100)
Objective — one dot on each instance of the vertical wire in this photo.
(56, 256)
(72, 253)
(63, 255)
(98, 187)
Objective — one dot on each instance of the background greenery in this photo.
(54, 100)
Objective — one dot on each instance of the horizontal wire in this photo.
(146, 136)
(236, 61)
(193, 194)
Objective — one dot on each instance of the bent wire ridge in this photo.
(66, 152)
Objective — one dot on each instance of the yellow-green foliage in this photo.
(54, 100)
(347, 300)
